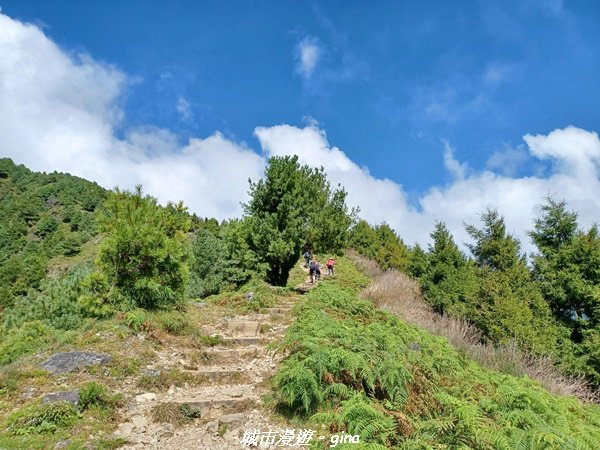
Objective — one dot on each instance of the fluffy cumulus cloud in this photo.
(60, 111)
(574, 152)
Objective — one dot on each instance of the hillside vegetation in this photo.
(116, 272)
(42, 217)
(549, 308)
(363, 371)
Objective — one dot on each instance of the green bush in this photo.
(31, 337)
(136, 319)
(55, 304)
(174, 322)
(94, 394)
(143, 255)
(46, 418)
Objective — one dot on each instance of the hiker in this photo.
(330, 264)
(314, 270)
(307, 257)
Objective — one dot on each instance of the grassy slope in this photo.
(134, 339)
(356, 369)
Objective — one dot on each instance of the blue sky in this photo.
(423, 94)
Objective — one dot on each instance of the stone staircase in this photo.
(236, 373)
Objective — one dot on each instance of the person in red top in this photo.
(330, 264)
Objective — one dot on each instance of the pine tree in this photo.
(511, 305)
(450, 281)
(143, 256)
(290, 208)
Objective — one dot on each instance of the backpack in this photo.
(330, 262)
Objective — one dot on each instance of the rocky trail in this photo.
(231, 380)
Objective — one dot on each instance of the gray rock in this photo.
(62, 444)
(200, 304)
(250, 296)
(28, 392)
(232, 419)
(166, 431)
(152, 372)
(125, 429)
(415, 347)
(69, 361)
(139, 422)
(147, 397)
(64, 396)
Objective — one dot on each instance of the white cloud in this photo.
(508, 160)
(452, 165)
(60, 112)
(308, 54)
(574, 151)
(184, 109)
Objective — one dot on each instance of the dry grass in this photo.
(174, 413)
(401, 295)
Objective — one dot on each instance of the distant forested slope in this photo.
(42, 216)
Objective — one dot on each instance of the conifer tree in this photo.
(143, 257)
(291, 207)
(450, 281)
(511, 305)
(493, 247)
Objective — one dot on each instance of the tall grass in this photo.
(397, 293)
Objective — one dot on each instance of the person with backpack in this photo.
(330, 264)
(314, 271)
(307, 257)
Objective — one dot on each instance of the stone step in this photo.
(206, 407)
(242, 340)
(243, 328)
(212, 373)
(239, 352)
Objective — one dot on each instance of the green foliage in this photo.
(45, 418)
(28, 338)
(242, 263)
(174, 322)
(54, 304)
(555, 228)
(417, 262)
(207, 265)
(42, 216)
(448, 279)
(222, 260)
(98, 299)
(136, 319)
(381, 244)
(190, 413)
(363, 371)
(496, 292)
(93, 394)
(511, 307)
(143, 255)
(291, 208)
(567, 268)
(493, 247)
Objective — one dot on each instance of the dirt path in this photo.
(235, 377)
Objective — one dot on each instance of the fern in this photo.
(355, 368)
